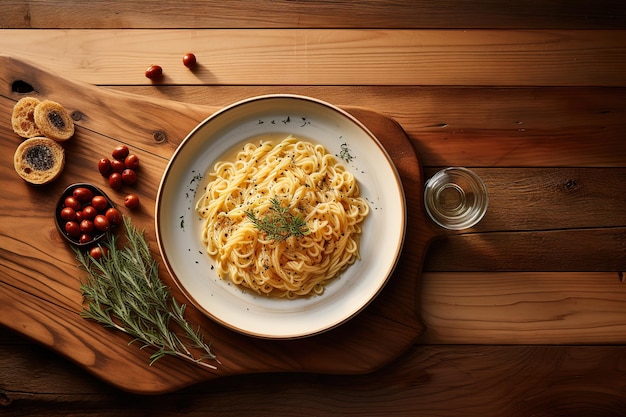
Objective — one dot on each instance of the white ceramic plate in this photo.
(178, 226)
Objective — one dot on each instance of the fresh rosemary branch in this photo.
(123, 291)
(279, 223)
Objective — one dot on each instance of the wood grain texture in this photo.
(447, 322)
(328, 57)
(433, 380)
(474, 127)
(37, 14)
(52, 285)
(548, 219)
(513, 308)
(590, 250)
(496, 85)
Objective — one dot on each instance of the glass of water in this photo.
(456, 198)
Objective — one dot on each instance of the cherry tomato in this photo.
(120, 152)
(89, 212)
(114, 216)
(115, 180)
(129, 176)
(72, 202)
(99, 202)
(86, 226)
(189, 60)
(98, 252)
(117, 165)
(85, 238)
(72, 228)
(154, 72)
(82, 194)
(68, 214)
(104, 166)
(131, 201)
(131, 161)
(101, 223)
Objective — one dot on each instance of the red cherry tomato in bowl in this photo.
(68, 214)
(76, 222)
(82, 194)
(72, 202)
(114, 216)
(99, 202)
(101, 223)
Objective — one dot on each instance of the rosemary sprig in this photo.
(123, 291)
(279, 223)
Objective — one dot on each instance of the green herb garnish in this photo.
(345, 153)
(279, 223)
(123, 291)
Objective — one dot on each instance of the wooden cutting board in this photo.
(39, 280)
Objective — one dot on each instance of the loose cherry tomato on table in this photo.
(131, 161)
(98, 252)
(115, 180)
(131, 201)
(123, 163)
(120, 152)
(154, 72)
(117, 166)
(104, 166)
(129, 176)
(189, 60)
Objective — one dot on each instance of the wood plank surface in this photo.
(590, 250)
(524, 313)
(429, 380)
(32, 283)
(37, 14)
(327, 57)
(530, 308)
(474, 127)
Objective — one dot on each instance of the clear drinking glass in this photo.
(456, 198)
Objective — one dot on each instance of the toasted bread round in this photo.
(39, 160)
(23, 117)
(53, 121)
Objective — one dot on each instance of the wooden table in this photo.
(524, 314)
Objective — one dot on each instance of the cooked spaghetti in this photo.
(282, 219)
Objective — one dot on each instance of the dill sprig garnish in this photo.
(123, 291)
(279, 223)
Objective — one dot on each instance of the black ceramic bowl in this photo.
(96, 235)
